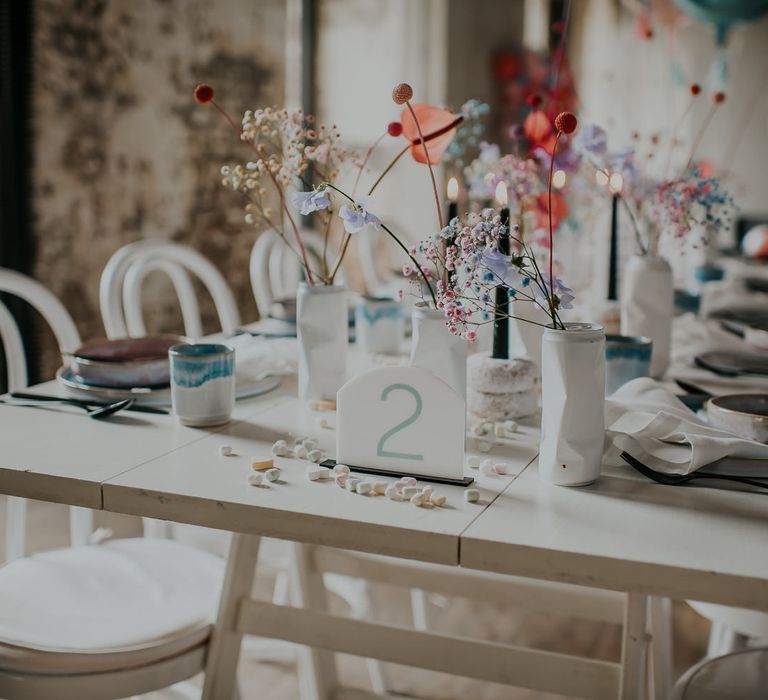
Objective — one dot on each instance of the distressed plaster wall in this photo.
(122, 151)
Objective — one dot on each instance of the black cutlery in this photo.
(693, 389)
(98, 412)
(139, 408)
(680, 479)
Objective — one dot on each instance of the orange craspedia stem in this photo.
(402, 93)
(566, 122)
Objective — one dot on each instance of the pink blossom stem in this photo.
(700, 135)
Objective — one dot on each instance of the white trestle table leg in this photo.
(221, 664)
(633, 646)
(317, 667)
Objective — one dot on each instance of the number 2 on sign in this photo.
(380, 451)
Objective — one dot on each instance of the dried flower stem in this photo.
(551, 292)
(700, 134)
(394, 238)
(365, 161)
(280, 192)
(429, 164)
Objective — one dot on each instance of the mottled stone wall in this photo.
(122, 151)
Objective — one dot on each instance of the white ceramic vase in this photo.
(647, 306)
(435, 348)
(322, 322)
(572, 399)
(379, 325)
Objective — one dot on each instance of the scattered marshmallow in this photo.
(316, 473)
(259, 464)
(341, 469)
(499, 430)
(272, 474)
(484, 445)
(256, 479)
(510, 426)
(471, 495)
(341, 479)
(322, 423)
(364, 488)
(502, 468)
(315, 456)
(351, 484)
(417, 499)
(323, 405)
(225, 450)
(437, 500)
(410, 491)
(408, 480)
(427, 492)
(380, 487)
(473, 462)
(300, 452)
(310, 444)
(486, 467)
(393, 494)
(280, 449)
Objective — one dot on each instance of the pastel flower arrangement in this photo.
(660, 205)
(292, 149)
(467, 263)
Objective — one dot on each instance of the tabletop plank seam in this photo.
(490, 503)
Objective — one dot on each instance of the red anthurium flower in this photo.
(537, 127)
(559, 210)
(432, 120)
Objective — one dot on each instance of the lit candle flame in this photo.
(452, 190)
(616, 183)
(501, 194)
(558, 179)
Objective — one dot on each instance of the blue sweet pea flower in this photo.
(356, 216)
(501, 267)
(314, 200)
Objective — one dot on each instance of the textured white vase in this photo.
(322, 322)
(379, 325)
(648, 305)
(572, 399)
(525, 337)
(435, 348)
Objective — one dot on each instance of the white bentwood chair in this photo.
(126, 271)
(95, 620)
(741, 675)
(276, 271)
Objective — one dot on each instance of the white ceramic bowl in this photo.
(743, 414)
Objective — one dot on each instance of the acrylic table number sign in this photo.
(401, 420)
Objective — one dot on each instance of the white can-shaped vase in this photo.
(572, 399)
(322, 323)
(379, 325)
(648, 305)
(435, 348)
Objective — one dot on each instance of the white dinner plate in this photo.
(154, 396)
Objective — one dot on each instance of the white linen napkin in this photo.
(646, 420)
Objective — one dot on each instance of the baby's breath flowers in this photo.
(289, 146)
(476, 267)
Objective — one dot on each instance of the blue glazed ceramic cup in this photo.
(626, 358)
(202, 383)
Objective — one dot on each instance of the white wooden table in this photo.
(621, 534)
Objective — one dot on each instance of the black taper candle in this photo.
(613, 253)
(501, 313)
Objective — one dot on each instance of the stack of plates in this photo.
(134, 368)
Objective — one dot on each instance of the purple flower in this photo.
(564, 295)
(314, 200)
(591, 139)
(502, 268)
(356, 216)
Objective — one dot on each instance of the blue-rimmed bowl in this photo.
(626, 358)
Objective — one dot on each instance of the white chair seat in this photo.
(742, 675)
(119, 604)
